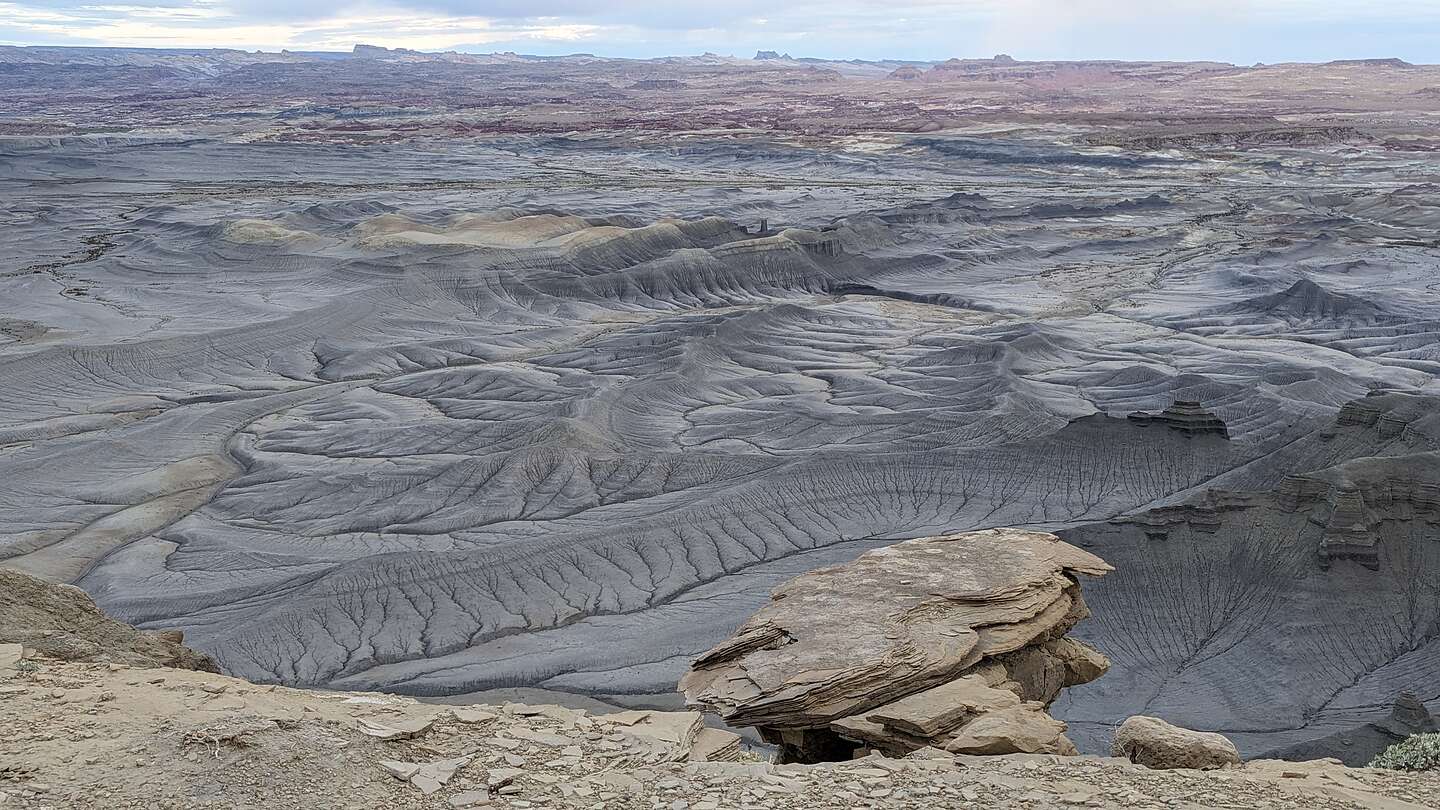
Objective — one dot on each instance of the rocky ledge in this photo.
(77, 735)
(62, 621)
(954, 642)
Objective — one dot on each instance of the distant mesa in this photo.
(1390, 62)
(1190, 418)
(908, 73)
(377, 52)
(973, 65)
(765, 55)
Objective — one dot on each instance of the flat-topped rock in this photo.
(938, 633)
(1185, 416)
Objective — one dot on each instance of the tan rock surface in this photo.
(1154, 743)
(1023, 729)
(990, 606)
(944, 707)
(62, 621)
(166, 743)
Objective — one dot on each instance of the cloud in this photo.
(227, 26)
(1236, 30)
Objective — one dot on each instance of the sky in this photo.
(1239, 31)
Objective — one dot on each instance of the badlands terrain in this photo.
(472, 378)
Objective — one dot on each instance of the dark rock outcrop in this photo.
(1357, 746)
(1190, 418)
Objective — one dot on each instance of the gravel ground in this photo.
(95, 735)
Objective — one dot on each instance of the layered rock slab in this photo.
(1188, 417)
(955, 641)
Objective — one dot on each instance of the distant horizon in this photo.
(1239, 32)
(755, 57)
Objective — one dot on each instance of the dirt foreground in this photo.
(111, 736)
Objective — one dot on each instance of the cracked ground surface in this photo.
(564, 429)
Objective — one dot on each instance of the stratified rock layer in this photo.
(954, 641)
(1185, 416)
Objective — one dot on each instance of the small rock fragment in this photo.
(433, 776)
(465, 714)
(404, 729)
(400, 770)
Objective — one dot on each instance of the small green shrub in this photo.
(1420, 752)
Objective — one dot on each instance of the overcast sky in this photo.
(1240, 31)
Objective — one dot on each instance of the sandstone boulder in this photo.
(909, 646)
(1154, 743)
(1023, 729)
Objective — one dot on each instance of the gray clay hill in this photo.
(364, 388)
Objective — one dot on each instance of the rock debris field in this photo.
(545, 414)
(76, 735)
